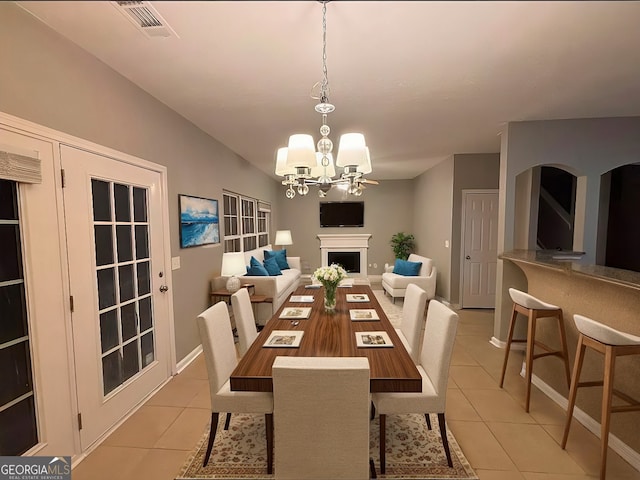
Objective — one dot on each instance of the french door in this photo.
(120, 310)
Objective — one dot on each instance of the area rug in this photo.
(393, 310)
(413, 451)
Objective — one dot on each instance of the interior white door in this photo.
(118, 281)
(479, 249)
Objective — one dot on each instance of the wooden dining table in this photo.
(330, 335)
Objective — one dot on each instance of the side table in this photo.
(255, 299)
(224, 295)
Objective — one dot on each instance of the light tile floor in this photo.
(500, 440)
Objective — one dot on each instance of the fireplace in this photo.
(350, 261)
(348, 249)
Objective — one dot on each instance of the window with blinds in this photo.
(246, 222)
(18, 423)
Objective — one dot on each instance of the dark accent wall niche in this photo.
(623, 231)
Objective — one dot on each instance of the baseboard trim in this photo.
(521, 347)
(186, 361)
(180, 366)
(78, 458)
(617, 445)
(443, 301)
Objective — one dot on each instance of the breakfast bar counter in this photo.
(625, 278)
(608, 295)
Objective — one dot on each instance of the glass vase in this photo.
(330, 298)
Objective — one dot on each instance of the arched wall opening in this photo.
(550, 205)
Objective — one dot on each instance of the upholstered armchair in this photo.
(396, 285)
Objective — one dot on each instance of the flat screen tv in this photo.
(342, 214)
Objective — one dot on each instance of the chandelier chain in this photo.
(325, 78)
(299, 162)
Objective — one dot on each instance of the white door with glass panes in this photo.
(119, 283)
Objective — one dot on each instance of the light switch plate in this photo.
(175, 263)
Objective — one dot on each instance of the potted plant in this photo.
(402, 244)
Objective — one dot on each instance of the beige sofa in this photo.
(396, 285)
(278, 287)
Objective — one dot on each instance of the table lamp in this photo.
(232, 266)
(283, 237)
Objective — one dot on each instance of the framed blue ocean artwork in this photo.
(199, 221)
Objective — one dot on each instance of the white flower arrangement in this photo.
(331, 275)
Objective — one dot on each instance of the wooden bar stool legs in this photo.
(533, 309)
(611, 344)
(510, 340)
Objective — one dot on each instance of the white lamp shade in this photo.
(281, 163)
(366, 168)
(301, 151)
(233, 264)
(318, 170)
(352, 150)
(283, 237)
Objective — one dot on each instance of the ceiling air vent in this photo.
(145, 18)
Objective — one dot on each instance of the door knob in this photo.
(468, 257)
(164, 288)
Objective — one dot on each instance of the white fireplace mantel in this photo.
(345, 242)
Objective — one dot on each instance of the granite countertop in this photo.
(574, 267)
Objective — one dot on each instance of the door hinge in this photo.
(62, 177)
(71, 303)
(79, 421)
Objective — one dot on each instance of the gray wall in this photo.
(50, 81)
(388, 208)
(432, 220)
(438, 212)
(470, 171)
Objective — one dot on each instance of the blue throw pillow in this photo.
(256, 269)
(406, 268)
(272, 266)
(280, 256)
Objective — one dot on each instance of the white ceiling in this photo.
(421, 80)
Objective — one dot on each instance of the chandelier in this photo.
(299, 162)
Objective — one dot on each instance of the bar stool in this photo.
(533, 308)
(612, 343)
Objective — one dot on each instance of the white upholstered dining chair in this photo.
(321, 415)
(245, 320)
(415, 302)
(435, 358)
(220, 356)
